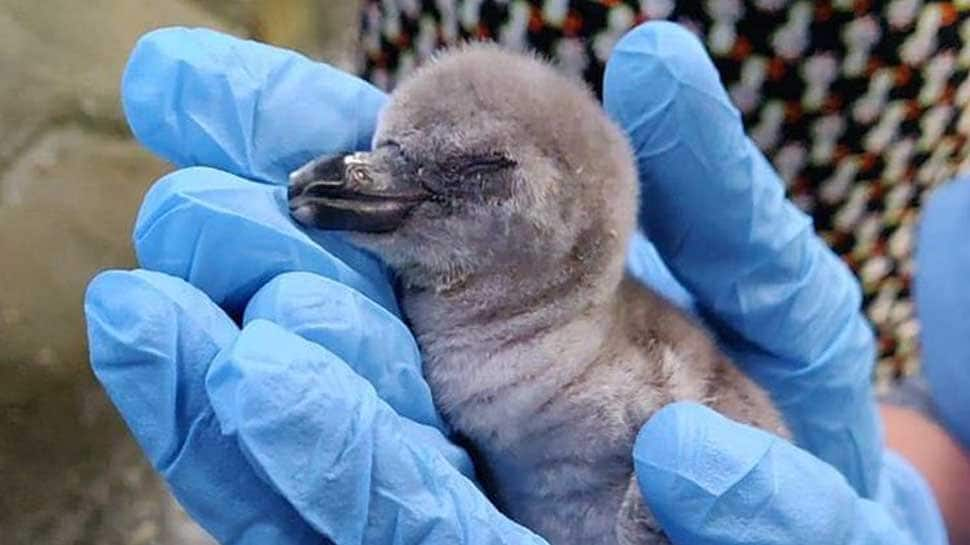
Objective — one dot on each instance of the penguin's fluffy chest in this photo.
(504, 198)
(553, 414)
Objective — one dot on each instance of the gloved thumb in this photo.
(712, 481)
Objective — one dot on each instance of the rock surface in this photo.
(71, 180)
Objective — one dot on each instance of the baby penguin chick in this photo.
(504, 198)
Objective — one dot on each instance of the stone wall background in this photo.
(71, 180)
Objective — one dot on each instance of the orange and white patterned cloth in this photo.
(861, 105)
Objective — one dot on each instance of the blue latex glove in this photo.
(312, 420)
(785, 308)
(942, 303)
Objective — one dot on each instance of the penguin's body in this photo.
(505, 200)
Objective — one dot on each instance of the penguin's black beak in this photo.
(355, 192)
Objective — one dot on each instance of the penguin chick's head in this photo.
(482, 159)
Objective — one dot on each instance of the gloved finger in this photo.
(710, 480)
(152, 338)
(786, 308)
(202, 98)
(646, 265)
(326, 441)
(374, 342)
(228, 237)
(943, 303)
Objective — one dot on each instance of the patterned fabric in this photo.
(859, 104)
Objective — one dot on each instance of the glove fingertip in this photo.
(657, 443)
(151, 336)
(700, 473)
(116, 314)
(145, 82)
(98, 288)
(104, 311)
(676, 445)
(645, 74)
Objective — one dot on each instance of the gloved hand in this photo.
(784, 307)
(313, 419)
